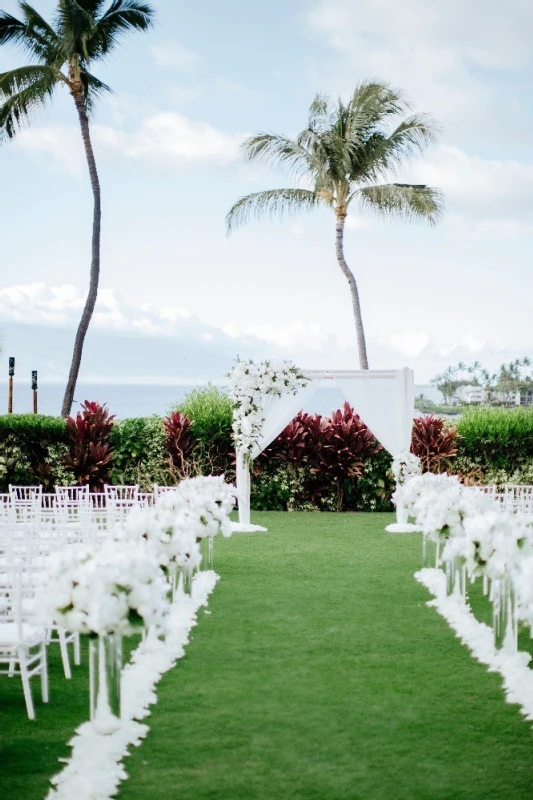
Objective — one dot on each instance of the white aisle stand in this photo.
(384, 399)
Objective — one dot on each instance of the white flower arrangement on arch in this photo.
(249, 383)
(405, 466)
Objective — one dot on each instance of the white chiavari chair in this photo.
(120, 500)
(146, 499)
(22, 642)
(26, 503)
(159, 490)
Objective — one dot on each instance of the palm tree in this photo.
(461, 367)
(337, 160)
(62, 54)
(474, 370)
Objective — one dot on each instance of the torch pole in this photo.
(34, 388)
(10, 387)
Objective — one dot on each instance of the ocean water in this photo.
(138, 400)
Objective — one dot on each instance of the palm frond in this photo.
(319, 112)
(11, 29)
(36, 24)
(92, 6)
(17, 108)
(93, 88)
(31, 34)
(372, 104)
(406, 201)
(121, 18)
(274, 149)
(273, 203)
(411, 137)
(17, 80)
(75, 26)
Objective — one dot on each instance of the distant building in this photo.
(526, 398)
(471, 394)
(476, 394)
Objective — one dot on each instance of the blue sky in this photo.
(167, 145)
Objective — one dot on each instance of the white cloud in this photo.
(409, 343)
(307, 343)
(171, 55)
(164, 138)
(487, 187)
(296, 335)
(62, 142)
(437, 52)
(38, 303)
(173, 138)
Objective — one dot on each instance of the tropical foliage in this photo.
(179, 441)
(90, 454)
(347, 155)
(434, 443)
(316, 463)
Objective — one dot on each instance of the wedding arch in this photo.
(384, 399)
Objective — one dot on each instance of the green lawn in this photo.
(319, 673)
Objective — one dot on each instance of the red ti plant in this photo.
(433, 442)
(90, 453)
(292, 443)
(347, 441)
(179, 440)
(297, 446)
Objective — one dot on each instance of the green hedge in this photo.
(32, 447)
(497, 438)
(494, 446)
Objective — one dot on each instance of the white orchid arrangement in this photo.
(117, 588)
(217, 498)
(249, 384)
(477, 532)
(405, 466)
(196, 509)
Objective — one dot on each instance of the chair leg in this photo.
(64, 653)
(77, 653)
(44, 673)
(12, 665)
(26, 688)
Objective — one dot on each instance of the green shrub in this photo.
(32, 428)
(32, 449)
(140, 456)
(211, 414)
(272, 487)
(495, 438)
(372, 491)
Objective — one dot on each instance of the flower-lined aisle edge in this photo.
(479, 638)
(94, 770)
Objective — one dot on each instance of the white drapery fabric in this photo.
(385, 403)
(383, 399)
(277, 412)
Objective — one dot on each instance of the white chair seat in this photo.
(9, 636)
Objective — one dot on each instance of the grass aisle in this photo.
(321, 674)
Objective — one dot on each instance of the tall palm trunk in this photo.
(86, 316)
(339, 249)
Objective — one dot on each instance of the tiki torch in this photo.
(10, 388)
(34, 389)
